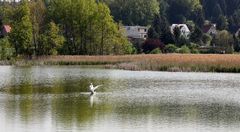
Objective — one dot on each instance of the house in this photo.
(210, 29)
(5, 30)
(183, 29)
(136, 32)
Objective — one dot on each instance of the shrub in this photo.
(6, 52)
(207, 39)
(156, 51)
(151, 44)
(194, 48)
(195, 51)
(170, 48)
(184, 50)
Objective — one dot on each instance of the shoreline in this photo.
(161, 62)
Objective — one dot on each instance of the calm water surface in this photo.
(37, 99)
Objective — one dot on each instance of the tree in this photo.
(155, 30)
(206, 38)
(177, 35)
(134, 12)
(198, 17)
(196, 36)
(224, 40)
(222, 23)
(51, 40)
(166, 35)
(160, 30)
(152, 33)
(216, 12)
(180, 10)
(88, 27)
(21, 34)
(38, 19)
(5, 49)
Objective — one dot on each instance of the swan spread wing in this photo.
(97, 87)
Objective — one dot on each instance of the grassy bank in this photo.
(163, 62)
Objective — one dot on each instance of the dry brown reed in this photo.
(161, 62)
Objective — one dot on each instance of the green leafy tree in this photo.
(181, 10)
(51, 40)
(177, 35)
(207, 39)
(224, 40)
(222, 23)
(196, 36)
(21, 34)
(160, 29)
(5, 49)
(88, 27)
(134, 12)
(38, 18)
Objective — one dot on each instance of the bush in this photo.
(156, 51)
(170, 48)
(207, 39)
(6, 52)
(151, 44)
(184, 50)
(194, 48)
(195, 51)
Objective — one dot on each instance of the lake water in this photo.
(56, 98)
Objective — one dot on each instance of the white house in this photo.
(136, 32)
(183, 28)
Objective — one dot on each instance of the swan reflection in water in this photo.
(93, 89)
(93, 99)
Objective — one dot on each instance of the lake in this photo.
(56, 98)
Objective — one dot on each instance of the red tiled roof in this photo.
(7, 28)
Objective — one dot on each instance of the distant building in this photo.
(5, 30)
(136, 32)
(210, 29)
(183, 28)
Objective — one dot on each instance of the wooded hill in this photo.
(160, 14)
(225, 13)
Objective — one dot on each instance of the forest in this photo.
(95, 27)
(196, 14)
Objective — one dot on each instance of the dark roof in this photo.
(206, 28)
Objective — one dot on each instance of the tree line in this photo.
(66, 27)
(94, 27)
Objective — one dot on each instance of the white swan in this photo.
(92, 89)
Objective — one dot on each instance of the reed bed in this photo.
(162, 62)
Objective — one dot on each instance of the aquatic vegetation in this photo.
(160, 62)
